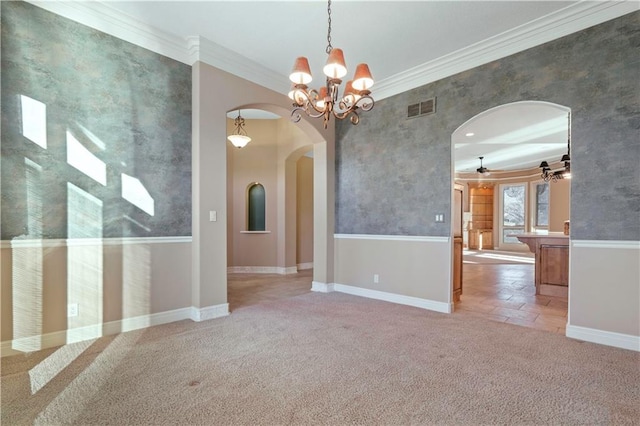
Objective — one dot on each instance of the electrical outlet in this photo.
(72, 310)
(440, 218)
(376, 278)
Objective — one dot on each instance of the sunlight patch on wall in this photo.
(82, 159)
(84, 264)
(27, 295)
(34, 120)
(135, 192)
(93, 138)
(27, 274)
(136, 282)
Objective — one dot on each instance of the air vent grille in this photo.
(422, 108)
(413, 110)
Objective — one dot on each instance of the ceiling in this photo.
(405, 43)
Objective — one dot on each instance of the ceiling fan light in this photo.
(301, 73)
(362, 79)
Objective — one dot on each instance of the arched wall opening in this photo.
(513, 140)
(216, 92)
(273, 159)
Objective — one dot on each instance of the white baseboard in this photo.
(262, 270)
(395, 298)
(400, 299)
(74, 335)
(210, 312)
(322, 287)
(609, 338)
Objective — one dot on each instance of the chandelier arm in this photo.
(308, 103)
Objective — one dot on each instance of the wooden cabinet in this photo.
(481, 239)
(481, 224)
(552, 262)
(458, 243)
(457, 268)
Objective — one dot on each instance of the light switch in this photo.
(213, 216)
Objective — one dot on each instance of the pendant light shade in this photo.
(335, 67)
(239, 137)
(362, 79)
(301, 73)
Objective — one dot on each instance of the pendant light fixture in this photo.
(327, 101)
(239, 137)
(564, 173)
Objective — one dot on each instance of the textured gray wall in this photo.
(393, 174)
(137, 103)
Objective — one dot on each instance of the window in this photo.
(542, 205)
(513, 211)
(256, 207)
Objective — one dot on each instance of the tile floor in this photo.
(506, 293)
(497, 292)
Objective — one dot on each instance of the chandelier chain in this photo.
(329, 47)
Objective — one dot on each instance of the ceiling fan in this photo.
(482, 170)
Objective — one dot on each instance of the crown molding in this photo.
(100, 16)
(571, 19)
(204, 50)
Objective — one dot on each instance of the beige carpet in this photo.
(493, 257)
(331, 359)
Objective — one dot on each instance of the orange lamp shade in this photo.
(335, 67)
(362, 79)
(351, 95)
(301, 73)
(322, 95)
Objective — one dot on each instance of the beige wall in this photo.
(414, 267)
(603, 301)
(559, 204)
(304, 222)
(111, 282)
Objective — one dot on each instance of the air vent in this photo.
(422, 108)
(413, 110)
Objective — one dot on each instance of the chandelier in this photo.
(327, 101)
(239, 138)
(564, 173)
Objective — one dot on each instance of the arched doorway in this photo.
(275, 261)
(503, 195)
